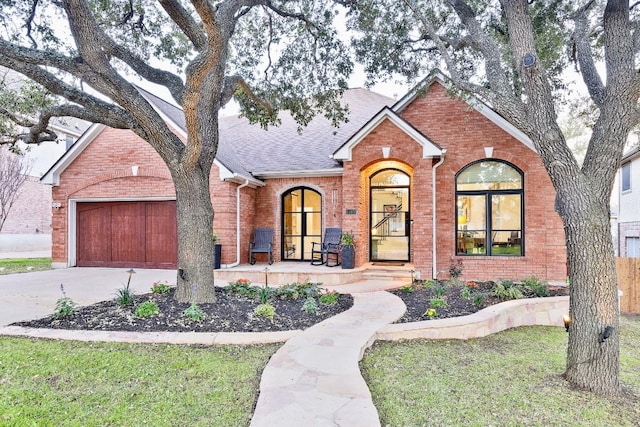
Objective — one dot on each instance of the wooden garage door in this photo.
(127, 234)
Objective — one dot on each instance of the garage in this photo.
(127, 234)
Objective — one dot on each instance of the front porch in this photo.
(281, 273)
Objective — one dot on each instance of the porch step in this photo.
(400, 274)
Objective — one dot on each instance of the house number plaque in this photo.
(351, 211)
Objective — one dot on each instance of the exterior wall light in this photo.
(566, 319)
(56, 205)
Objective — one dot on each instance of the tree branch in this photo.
(185, 21)
(298, 16)
(584, 54)
(58, 87)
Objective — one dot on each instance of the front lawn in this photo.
(508, 379)
(58, 383)
(24, 265)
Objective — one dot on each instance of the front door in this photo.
(390, 219)
(301, 223)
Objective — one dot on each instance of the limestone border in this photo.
(546, 311)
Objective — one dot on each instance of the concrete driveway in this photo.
(29, 296)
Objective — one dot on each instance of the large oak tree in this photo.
(268, 54)
(511, 54)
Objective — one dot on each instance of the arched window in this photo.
(489, 204)
(301, 222)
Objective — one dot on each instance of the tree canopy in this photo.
(268, 54)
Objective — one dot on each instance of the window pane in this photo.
(292, 247)
(633, 247)
(489, 176)
(312, 201)
(389, 178)
(314, 224)
(472, 242)
(626, 177)
(505, 212)
(472, 211)
(472, 227)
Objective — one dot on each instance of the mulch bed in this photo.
(233, 313)
(230, 313)
(417, 301)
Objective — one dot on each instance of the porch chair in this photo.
(329, 249)
(262, 243)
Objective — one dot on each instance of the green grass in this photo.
(24, 265)
(58, 383)
(509, 379)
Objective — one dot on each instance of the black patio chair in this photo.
(262, 243)
(328, 250)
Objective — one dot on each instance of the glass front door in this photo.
(301, 223)
(390, 218)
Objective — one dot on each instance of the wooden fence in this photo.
(629, 284)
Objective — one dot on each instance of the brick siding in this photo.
(103, 171)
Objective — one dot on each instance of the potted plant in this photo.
(217, 250)
(348, 251)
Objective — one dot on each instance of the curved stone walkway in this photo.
(314, 378)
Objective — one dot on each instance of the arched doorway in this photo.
(301, 223)
(389, 217)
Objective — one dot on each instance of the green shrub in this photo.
(124, 296)
(147, 309)
(429, 283)
(266, 310)
(160, 287)
(289, 291)
(265, 294)
(535, 286)
(65, 306)
(506, 290)
(329, 298)
(439, 291)
(466, 292)
(478, 300)
(438, 302)
(194, 313)
(310, 306)
(243, 288)
(408, 289)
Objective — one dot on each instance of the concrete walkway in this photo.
(314, 378)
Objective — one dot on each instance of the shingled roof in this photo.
(250, 150)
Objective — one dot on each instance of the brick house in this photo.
(426, 180)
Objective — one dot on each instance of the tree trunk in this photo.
(195, 221)
(592, 362)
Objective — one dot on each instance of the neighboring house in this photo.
(629, 205)
(28, 225)
(425, 180)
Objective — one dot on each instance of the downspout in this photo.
(237, 261)
(434, 272)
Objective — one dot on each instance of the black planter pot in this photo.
(217, 255)
(348, 257)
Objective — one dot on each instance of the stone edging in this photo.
(547, 311)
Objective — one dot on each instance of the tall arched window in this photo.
(489, 204)
(301, 223)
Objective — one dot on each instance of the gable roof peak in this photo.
(437, 76)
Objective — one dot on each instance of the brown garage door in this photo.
(127, 234)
